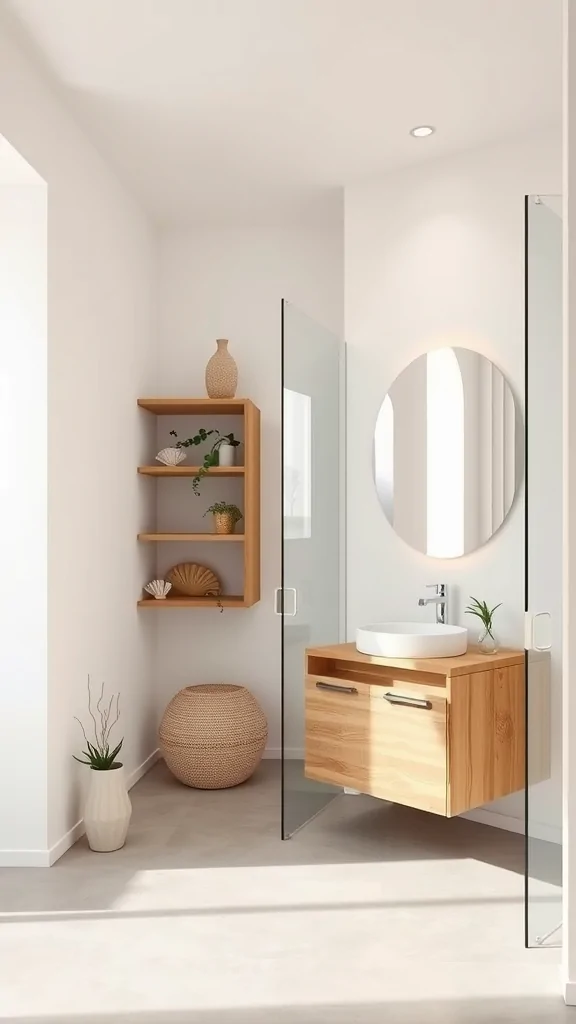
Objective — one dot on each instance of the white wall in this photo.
(101, 355)
(229, 284)
(434, 256)
(24, 501)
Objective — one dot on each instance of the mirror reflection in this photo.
(447, 452)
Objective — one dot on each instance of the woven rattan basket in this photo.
(213, 736)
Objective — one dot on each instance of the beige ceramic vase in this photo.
(221, 372)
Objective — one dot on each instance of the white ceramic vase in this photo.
(226, 455)
(107, 811)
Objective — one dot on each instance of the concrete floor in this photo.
(373, 914)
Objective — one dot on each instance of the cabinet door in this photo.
(380, 740)
(408, 761)
(337, 743)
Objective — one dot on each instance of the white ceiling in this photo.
(227, 109)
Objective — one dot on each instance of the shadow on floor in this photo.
(243, 909)
(174, 827)
(457, 1011)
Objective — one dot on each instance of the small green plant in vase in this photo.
(211, 458)
(487, 642)
(107, 806)
(225, 516)
(98, 754)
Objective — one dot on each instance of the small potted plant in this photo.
(220, 454)
(487, 642)
(107, 808)
(225, 516)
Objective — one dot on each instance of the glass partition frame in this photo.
(312, 596)
(543, 569)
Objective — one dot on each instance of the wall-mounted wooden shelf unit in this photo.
(249, 473)
(197, 406)
(189, 470)
(222, 538)
(180, 601)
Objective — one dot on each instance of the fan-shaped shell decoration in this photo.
(158, 589)
(193, 580)
(171, 456)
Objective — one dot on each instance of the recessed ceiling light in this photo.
(422, 130)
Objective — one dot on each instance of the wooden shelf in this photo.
(180, 601)
(249, 474)
(222, 538)
(163, 471)
(195, 406)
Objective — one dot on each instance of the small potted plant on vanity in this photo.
(487, 642)
(225, 516)
(107, 809)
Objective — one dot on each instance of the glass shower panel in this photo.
(543, 569)
(311, 599)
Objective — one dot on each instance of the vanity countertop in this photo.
(464, 664)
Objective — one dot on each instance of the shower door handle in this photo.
(530, 632)
(281, 604)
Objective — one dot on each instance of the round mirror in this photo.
(448, 452)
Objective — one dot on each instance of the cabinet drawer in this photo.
(378, 740)
(408, 763)
(337, 732)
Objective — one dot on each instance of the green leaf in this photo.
(481, 610)
(116, 750)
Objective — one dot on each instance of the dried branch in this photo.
(91, 713)
(99, 755)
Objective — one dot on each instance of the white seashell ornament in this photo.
(171, 456)
(158, 589)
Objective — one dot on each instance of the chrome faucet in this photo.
(441, 602)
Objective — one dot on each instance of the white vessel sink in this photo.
(412, 640)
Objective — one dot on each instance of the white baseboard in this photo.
(538, 830)
(64, 844)
(46, 858)
(143, 768)
(24, 858)
(569, 989)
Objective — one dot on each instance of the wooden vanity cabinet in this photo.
(443, 735)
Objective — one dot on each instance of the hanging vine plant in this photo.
(210, 458)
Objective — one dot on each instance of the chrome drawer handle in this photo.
(411, 702)
(338, 689)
